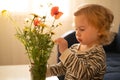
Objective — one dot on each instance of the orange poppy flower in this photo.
(37, 21)
(55, 12)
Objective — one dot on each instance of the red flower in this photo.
(37, 21)
(55, 12)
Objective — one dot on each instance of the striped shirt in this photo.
(76, 65)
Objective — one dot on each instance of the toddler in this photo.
(85, 60)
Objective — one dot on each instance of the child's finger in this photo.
(57, 41)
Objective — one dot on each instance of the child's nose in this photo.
(78, 33)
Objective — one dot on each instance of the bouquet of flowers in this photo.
(36, 37)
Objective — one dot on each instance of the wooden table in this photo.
(18, 72)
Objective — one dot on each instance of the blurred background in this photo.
(12, 52)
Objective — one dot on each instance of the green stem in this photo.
(28, 55)
(31, 23)
(53, 23)
(17, 27)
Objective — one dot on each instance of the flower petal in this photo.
(58, 15)
(37, 21)
(4, 12)
(54, 10)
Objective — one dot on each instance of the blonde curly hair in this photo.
(99, 16)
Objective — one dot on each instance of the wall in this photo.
(12, 51)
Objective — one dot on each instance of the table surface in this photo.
(18, 72)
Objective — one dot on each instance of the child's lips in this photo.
(79, 39)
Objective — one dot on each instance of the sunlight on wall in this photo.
(33, 5)
(14, 5)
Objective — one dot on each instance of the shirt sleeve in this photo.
(56, 70)
(65, 55)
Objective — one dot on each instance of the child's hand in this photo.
(62, 43)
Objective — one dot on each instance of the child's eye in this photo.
(76, 29)
(82, 29)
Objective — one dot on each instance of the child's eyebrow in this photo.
(81, 27)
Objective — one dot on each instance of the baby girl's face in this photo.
(86, 34)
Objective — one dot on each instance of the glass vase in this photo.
(38, 72)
